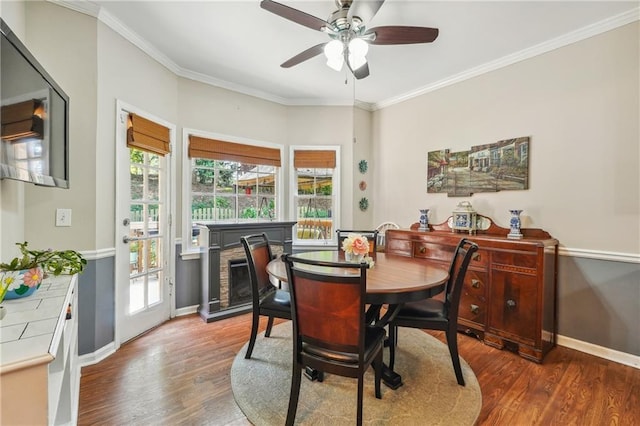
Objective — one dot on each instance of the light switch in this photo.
(63, 217)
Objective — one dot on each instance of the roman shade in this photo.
(22, 120)
(147, 135)
(314, 159)
(214, 149)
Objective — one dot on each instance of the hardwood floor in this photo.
(178, 374)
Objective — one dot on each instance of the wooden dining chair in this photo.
(435, 314)
(329, 329)
(267, 300)
(370, 235)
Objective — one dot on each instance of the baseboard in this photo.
(97, 356)
(600, 351)
(187, 310)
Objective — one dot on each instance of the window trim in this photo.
(190, 251)
(336, 195)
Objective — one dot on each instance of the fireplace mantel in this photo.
(215, 240)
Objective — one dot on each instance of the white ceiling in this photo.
(238, 45)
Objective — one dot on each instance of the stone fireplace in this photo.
(225, 272)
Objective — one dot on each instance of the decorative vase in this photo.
(424, 220)
(21, 283)
(514, 223)
(352, 257)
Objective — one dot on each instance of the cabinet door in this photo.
(513, 311)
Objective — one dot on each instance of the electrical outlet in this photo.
(63, 217)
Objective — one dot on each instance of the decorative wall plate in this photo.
(363, 185)
(363, 166)
(364, 203)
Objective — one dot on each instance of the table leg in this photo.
(390, 378)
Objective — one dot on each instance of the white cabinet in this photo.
(39, 371)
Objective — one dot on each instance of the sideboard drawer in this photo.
(526, 260)
(399, 247)
(474, 309)
(480, 259)
(473, 301)
(433, 251)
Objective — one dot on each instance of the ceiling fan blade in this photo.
(294, 15)
(365, 9)
(402, 35)
(303, 56)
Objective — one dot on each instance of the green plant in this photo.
(55, 262)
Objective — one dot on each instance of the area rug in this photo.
(429, 395)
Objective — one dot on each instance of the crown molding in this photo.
(562, 41)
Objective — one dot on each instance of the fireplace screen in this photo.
(239, 282)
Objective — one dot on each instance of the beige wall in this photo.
(212, 109)
(127, 74)
(68, 52)
(327, 126)
(580, 107)
(362, 150)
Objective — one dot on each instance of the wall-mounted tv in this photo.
(34, 112)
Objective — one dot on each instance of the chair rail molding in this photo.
(600, 255)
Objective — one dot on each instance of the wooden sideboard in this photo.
(509, 294)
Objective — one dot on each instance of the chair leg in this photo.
(296, 377)
(393, 341)
(360, 397)
(377, 366)
(267, 332)
(254, 333)
(452, 342)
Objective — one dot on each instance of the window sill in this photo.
(190, 255)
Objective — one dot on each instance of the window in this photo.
(228, 182)
(315, 189)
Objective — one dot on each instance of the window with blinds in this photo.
(315, 194)
(231, 181)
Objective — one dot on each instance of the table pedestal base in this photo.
(312, 374)
(390, 378)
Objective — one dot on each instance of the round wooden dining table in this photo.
(392, 281)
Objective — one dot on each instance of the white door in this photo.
(143, 235)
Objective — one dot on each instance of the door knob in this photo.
(126, 239)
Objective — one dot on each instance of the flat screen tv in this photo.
(35, 118)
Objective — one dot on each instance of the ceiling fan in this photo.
(350, 38)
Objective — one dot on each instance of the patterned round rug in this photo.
(429, 395)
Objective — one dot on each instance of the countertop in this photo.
(29, 331)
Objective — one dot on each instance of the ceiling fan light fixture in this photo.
(357, 53)
(333, 51)
(358, 47)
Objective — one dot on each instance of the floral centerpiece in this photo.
(356, 249)
(23, 275)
